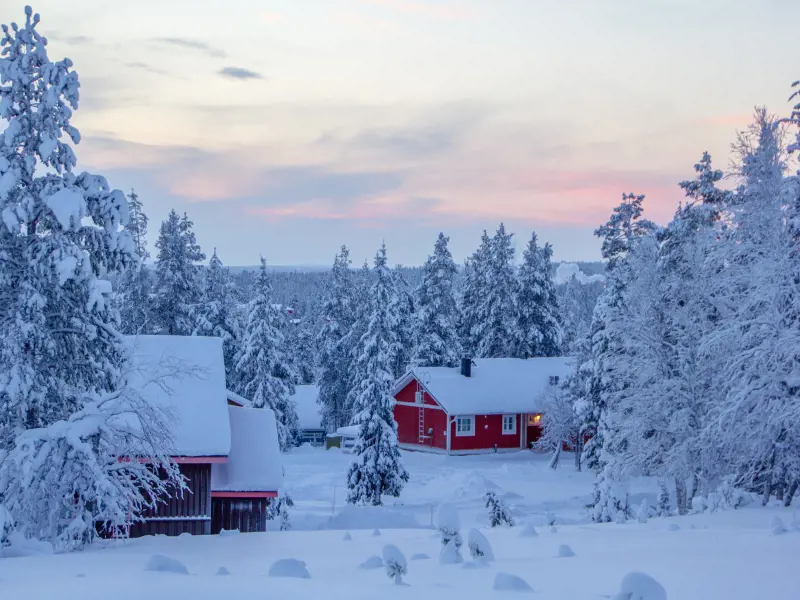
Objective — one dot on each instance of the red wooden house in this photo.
(228, 454)
(486, 405)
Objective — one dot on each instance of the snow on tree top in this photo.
(68, 206)
(497, 385)
(254, 463)
(186, 375)
(308, 413)
(567, 271)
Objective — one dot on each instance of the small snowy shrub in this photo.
(638, 586)
(223, 571)
(529, 531)
(479, 547)
(699, 505)
(731, 497)
(776, 526)
(395, 562)
(498, 511)
(347, 537)
(278, 510)
(550, 518)
(644, 512)
(506, 582)
(448, 524)
(165, 564)
(450, 555)
(376, 532)
(289, 567)
(663, 500)
(419, 556)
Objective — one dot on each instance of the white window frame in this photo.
(513, 429)
(465, 419)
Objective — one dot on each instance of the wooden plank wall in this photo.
(246, 515)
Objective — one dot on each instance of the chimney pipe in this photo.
(466, 367)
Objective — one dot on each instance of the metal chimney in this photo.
(466, 367)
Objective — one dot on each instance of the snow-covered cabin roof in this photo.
(497, 385)
(254, 463)
(308, 414)
(236, 399)
(186, 375)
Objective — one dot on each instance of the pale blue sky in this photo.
(289, 127)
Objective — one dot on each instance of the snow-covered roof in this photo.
(497, 385)
(348, 431)
(186, 375)
(308, 415)
(238, 400)
(254, 463)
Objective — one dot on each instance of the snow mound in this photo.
(20, 546)
(673, 527)
(372, 517)
(638, 586)
(450, 554)
(223, 571)
(565, 551)
(474, 486)
(376, 532)
(289, 567)
(420, 556)
(644, 512)
(506, 582)
(165, 564)
(347, 537)
(373, 562)
(479, 547)
(776, 526)
(228, 532)
(529, 531)
(554, 529)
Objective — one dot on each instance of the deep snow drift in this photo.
(732, 555)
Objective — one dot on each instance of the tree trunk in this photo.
(769, 478)
(554, 459)
(680, 495)
(578, 452)
(791, 492)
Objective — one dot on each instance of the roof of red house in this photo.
(497, 385)
(254, 463)
(185, 375)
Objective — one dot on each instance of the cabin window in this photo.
(553, 379)
(465, 425)
(509, 424)
(535, 420)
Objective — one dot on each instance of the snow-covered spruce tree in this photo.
(437, 342)
(215, 314)
(576, 302)
(61, 358)
(301, 348)
(499, 514)
(473, 291)
(538, 328)
(494, 331)
(354, 339)
(178, 285)
(261, 370)
(338, 312)
(756, 425)
(403, 344)
(133, 297)
(620, 235)
(377, 469)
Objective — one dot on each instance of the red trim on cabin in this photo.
(199, 460)
(244, 494)
(232, 402)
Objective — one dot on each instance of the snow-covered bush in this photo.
(506, 582)
(499, 514)
(165, 564)
(278, 509)
(347, 537)
(529, 531)
(644, 512)
(376, 532)
(451, 554)
(289, 567)
(638, 586)
(395, 563)
(776, 526)
(419, 556)
(550, 518)
(663, 500)
(699, 505)
(448, 524)
(222, 571)
(479, 547)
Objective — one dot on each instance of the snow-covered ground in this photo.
(732, 555)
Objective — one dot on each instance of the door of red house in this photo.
(534, 428)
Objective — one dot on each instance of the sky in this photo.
(286, 128)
